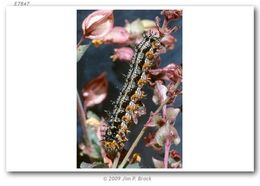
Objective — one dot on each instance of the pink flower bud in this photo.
(123, 54)
(118, 35)
(98, 24)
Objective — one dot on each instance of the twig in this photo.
(132, 148)
(116, 160)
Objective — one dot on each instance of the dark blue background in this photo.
(97, 60)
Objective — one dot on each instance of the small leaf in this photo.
(81, 50)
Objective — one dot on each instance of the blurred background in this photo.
(97, 60)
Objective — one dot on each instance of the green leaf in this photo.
(81, 50)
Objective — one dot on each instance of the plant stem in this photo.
(116, 160)
(82, 117)
(166, 152)
(132, 148)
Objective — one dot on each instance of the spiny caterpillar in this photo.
(128, 103)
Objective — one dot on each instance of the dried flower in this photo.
(168, 16)
(172, 72)
(176, 165)
(168, 41)
(95, 91)
(160, 92)
(175, 155)
(135, 28)
(118, 35)
(149, 141)
(148, 24)
(171, 14)
(167, 132)
(171, 113)
(98, 24)
(123, 54)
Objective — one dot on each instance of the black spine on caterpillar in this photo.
(128, 101)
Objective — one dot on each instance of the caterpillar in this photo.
(128, 103)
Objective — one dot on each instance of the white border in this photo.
(195, 47)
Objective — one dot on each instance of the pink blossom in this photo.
(168, 16)
(172, 113)
(171, 72)
(118, 35)
(171, 14)
(98, 24)
(168, 41)
(160, 93)
(167, 132)
(123, 54)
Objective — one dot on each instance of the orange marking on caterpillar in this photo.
(136, 96)
(127, 118)
(156, 44)
(149, 55)
(147, 65)
(132, 108)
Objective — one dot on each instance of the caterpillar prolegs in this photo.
(128, 103)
